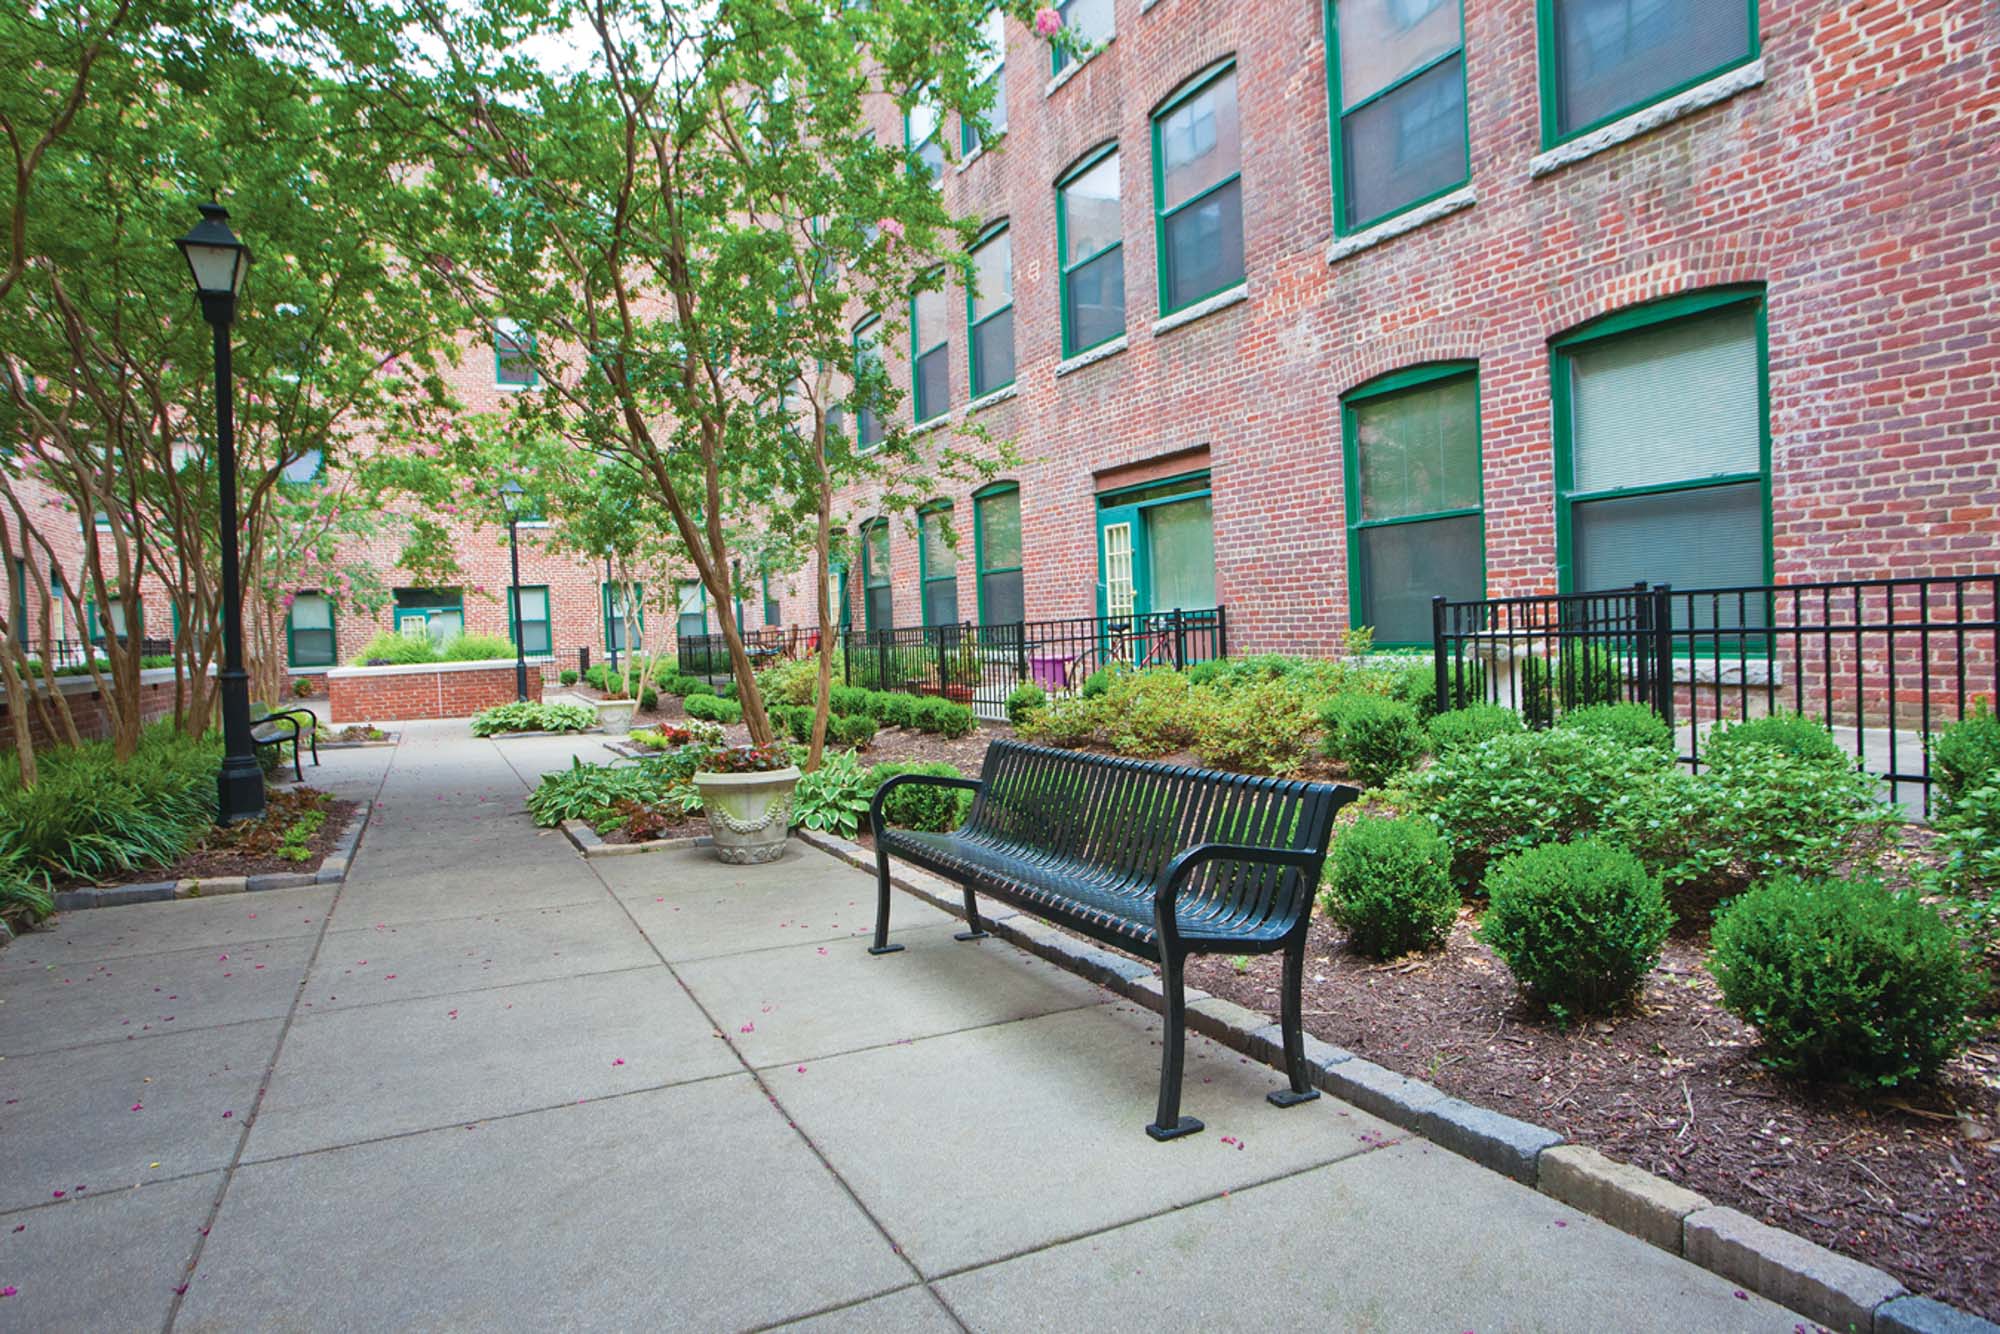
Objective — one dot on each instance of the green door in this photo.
(1155, 555)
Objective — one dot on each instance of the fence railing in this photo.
(1884, 663)
(77, 652)
(981, 665)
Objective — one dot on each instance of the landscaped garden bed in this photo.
(300, 827)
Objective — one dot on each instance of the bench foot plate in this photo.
(1287, 1098)
(1186, 1126)
(883, 949)
(971, 935)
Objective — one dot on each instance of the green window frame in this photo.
(442, 611)
(1099, 273)
(1692, 413)
(304, 645)
(612, 599)
(923, 138)
(17, 602)
(994, 63)
(536, 635)
(1453, 522)
(997, 554)
(937, 564)
(690, 608)
(1211, 214)
(930, 363)
(513, 356)
(1704, 48)
(878, 595)
(1093, 24)
(989, 323)
(94, 625)
(1391, 152)
(771, 613)
(868, 427)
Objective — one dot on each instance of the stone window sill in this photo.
(1222, 300)
(1441, 207)
(1095, 355)
(1069, 70)
(1718, 89)
(984, 401)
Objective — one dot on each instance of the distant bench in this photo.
(279, 726)
(1157, 860)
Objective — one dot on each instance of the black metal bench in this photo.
(1159, 861)
(282, 725)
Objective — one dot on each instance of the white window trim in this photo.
(1441, 207)
(1718, 89)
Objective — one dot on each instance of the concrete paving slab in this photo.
(694, 907)
(381, 1070)
(401, 961)
(107, 1262)
(983, 1144)
(694, 1205)
(912, 1311)
(95, 1120)
(1409, 1237)
(116, 933)
(145, 994)
(397, 890)
(804, 1002)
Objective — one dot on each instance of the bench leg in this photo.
(1295, 1042)
(974, 928)
(882, 945)
(1170, 1124)
(298, 773)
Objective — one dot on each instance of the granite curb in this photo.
(332, 871)
(588, 842)
(1842, 1293)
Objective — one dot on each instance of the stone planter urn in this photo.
(748, 813)
(615, 715)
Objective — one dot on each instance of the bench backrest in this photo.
(1128, 819)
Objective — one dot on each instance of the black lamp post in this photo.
(510, 496)
(610, 605)
(219, 261)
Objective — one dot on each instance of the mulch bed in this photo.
(1908, 1181)
(694, 826)
(251, 848)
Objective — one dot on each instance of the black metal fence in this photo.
(1884, 663)
(77, 652)
(981, 665)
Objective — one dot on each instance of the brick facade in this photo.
(448, 690)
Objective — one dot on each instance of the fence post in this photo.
(583, 660)
(1663, 652)
(1442, 672)
(1180, 641)
(1221, 634)
(1021, 651)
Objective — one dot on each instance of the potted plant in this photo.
(615, 710)
(966, 666)
(746, 792)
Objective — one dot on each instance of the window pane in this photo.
(534, 637)
(312, 611)
(881, 608)
(940, 602)
(303, 468)
(1383, 40)
(940, 557)
(1677, 402)
(1418, 451)
(1000, 530)
(993, 33)
(876, 554)
(1613, 54)
(1712, 537)
(993, 353)
(1405, 565)
(993, 274)
(1096, 296)
(312, 648)
(1090, 20)
(1205, 247)
(1199, 141)
(1180, 542)
(1000, 596)
(933, 383)
(1406, 146)
(930, 320)
(1090, 211)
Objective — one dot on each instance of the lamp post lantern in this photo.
(219, 262)
(510, 496)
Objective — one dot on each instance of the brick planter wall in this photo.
(427, 690)
(86, 706)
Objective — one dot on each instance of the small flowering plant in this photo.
(749, 759)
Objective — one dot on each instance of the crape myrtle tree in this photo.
(688, 207)
(106, 368)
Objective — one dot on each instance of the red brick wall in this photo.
(1856, 184)
(156, 700)
(386, 694)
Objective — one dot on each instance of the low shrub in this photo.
(1201, 673)
(302, 687)
(699, 690)
(649, 700)
(396, 649)
(791, 682)
(1789, 733)
(1099, 681)
(1146, 713)
(1471, 725)
(1416, 686)
(567, 676)
(892, 708)
(477, 648)
(1579, 924)
(946, 719)
(1255, 726)
(1376, 737)
(1969, 873)
(1388, 882)
(833, 798)
(854, 729)
(1633, 725)
(533, 716)
(1966, 755)
(924, 806)
(726, 690)
(677, 685)
(1024, 699)
(714, 709)
(1069, 721)
(591, 792)
(1845, 979)
(1764, 809)
(849, 700)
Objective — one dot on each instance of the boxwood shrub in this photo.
(922, 805)
(1966, 755)
(714, 709)
(1578, 924)
(1376, 737)
(1628, 724)
(1789, 733)
(1471, 725)
(1024, 699)
(1388, 882)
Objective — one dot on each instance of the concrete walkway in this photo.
(489, 1084)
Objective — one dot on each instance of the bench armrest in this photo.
(304, 718)
(935, 780)
(1175, 873)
